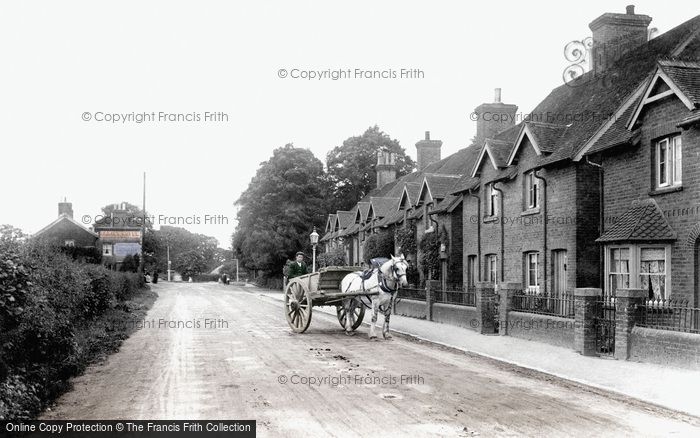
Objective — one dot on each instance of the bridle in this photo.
(396, 277)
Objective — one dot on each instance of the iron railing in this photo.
(669, 314)
(412, 293)
(544, 304)
(459, 297)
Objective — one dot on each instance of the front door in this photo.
(559, 265)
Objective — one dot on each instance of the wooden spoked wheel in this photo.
(297, 307)
(359, 315)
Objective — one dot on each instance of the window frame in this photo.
(635, 251)
(491, 200)
(531, 191)
(107, 249)
(489, 270)
(532, 288)
(672, 163)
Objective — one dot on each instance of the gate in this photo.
(604, 323)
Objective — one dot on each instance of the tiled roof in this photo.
(546, 134)
(346, 218)
(644, 221)
(686, 75)
(330, 222)
(466, 183)
(326, 236)
(363, 209)
(352, 229)
(393, 218)
(447, 205)
(440, 185)
(383, 207)
(412, 190)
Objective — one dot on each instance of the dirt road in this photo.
(234, 357)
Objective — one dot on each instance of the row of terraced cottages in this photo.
(598, 187)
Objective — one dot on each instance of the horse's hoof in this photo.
(388, 337)
(371, 337)
(350, 333)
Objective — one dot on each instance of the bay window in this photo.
(638, 266)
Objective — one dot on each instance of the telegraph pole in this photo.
(142, 261)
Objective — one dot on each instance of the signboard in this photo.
(115, 235)
(125, 249)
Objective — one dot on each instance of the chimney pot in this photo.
(630, 9)
(427, 135)
(497, 95)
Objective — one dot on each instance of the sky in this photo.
(75, 77)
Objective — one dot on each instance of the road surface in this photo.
(233, 357)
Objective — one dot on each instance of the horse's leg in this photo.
(375, 311)
(349, 305)
(387, 316)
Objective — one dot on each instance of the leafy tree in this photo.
(278, 209)
(190, 263)
(180, 241)
(351, 166)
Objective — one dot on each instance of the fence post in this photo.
(584, 323)
(428, 301)
(505, 305)
(626, 302)
(485, 303)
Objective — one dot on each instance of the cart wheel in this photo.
(297, 307)
(359, 315)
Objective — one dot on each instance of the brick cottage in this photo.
(595, 194)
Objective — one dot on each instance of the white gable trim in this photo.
(603, 129)
(523, 132)
(484, 150)
(660, 75)
(404, 195)
(420, 194)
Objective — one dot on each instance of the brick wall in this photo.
(541, 328)
(629, 175)
(665, 347)
(572, 215)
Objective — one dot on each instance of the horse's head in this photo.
(399, 265)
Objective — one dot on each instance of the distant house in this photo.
(119, 234)
(67, 232)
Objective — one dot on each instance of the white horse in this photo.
(383, 284)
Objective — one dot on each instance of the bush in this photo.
(45, 299)
(333, 257)
(406, 239)
(379, 245)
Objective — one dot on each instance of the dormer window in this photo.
(669, 162)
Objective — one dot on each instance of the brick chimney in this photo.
(66, 208)
(386, 167)
(616, 34)
(492, 118)
(428, 151)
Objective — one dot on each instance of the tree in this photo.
(277, 211)
(351, 166)
(180, 241)
(190, 263)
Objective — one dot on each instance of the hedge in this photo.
(46, 299)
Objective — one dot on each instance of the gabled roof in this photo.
(542, 136)
(66, 218)
(436, 187)
(330, 222)
(679, 78)
(409, 195)
(344, 219)
(447, 205)
(362, 211)
(644, 221)
(382, 207)
(497, 151)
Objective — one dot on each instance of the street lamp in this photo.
(314, 242)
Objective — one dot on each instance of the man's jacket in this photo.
(295, 270)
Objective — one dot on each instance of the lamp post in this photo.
(314, 242)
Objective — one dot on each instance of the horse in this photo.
(383, 283)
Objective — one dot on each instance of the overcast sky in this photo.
(60, 60)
